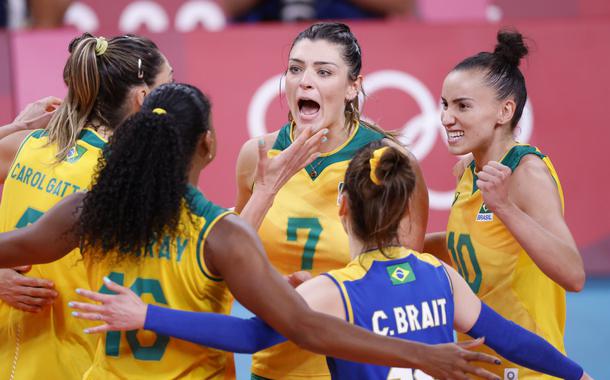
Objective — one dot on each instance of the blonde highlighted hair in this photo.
(98, 84)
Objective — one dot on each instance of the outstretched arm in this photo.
(47, 240)
(507, 338)
(284, 310)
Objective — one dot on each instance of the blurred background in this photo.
(236, 51)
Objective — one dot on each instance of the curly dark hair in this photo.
(142, 176)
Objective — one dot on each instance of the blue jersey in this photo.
(404, 294)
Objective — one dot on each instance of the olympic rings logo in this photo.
(420, 133)
(153, 16)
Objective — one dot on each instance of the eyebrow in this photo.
(457, 100)
(461, 99)
(318, 63)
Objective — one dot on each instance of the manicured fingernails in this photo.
(498, 362)
(324, 139)
(325, 131)
(79, 291)
(86, 331)
(261, 142)
(75, 313)
(70, 304)
(107, 280)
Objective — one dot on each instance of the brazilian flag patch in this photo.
(401, 273)
(75, 153)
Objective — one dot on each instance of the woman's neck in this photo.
(358, 247)
(194, 172)
(493, 152)
(100, 128)
(337, 136)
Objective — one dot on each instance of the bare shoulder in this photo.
(532, 183)
(230, 232)
(250, 147)
(322, 295)
(248, 154)
(460, 167)
(318, 283)
(532, 169)
(231, 243)
(11, 143)
(231, 225)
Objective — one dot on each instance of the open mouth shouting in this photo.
(308, 109)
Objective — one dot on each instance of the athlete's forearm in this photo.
(314, 331)
(11, 128)
(522, 346)
(557, 258)
(333, 337)
(257, 207)
(218, 331)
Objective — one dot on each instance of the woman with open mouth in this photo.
(297, 217)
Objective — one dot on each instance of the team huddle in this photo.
(325, 244)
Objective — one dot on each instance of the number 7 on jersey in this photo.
(315, 229)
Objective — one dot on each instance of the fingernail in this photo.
(498, 362)
(86, 331)
(75, 313)
(70, 304)
(324, 139)
(325, 131)
(107, 280)
(79, 291)
(261, 142)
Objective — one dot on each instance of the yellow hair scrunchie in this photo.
(100, 46)
(159, 111)
(374, 162)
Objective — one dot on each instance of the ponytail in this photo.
(99, 75)
(138, 193)
(379, 182)
(82, 77)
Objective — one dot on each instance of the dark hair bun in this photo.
(510, 47)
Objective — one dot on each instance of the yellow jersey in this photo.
(36, 346)
(499, 270)
(302, 231)
(170, 273)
